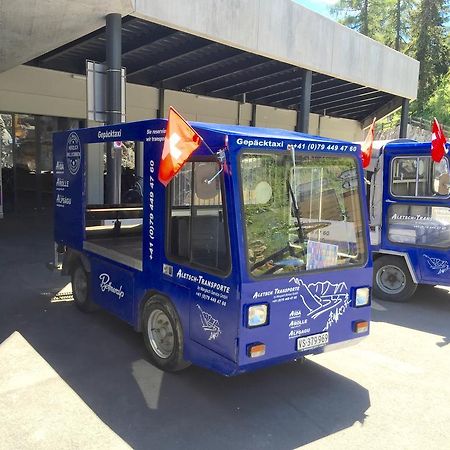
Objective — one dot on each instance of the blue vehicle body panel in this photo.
(211, 308)
(431, 264)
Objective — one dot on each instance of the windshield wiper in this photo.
(296, 209)
(304, 228)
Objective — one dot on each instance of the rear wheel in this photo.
(163, 335)
(81, 289)
(392, 280)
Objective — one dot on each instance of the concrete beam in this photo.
(386, 109)
(288, 32)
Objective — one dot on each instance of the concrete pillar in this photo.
(113, 103)
(305, 103)
(404, 119)
(253, 119)
(161, 107)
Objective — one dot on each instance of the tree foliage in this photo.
(387, 21)
(355, 14)
(429, 45)
(438, 104)
(415, 27)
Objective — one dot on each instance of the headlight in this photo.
(257, 315)
(362, 297)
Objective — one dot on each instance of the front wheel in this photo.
(392, 280)
(163, 335)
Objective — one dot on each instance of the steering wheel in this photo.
(269, 258)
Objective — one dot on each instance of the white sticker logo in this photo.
(209, 324)
(439, 265)
(106, 286)
(322, 296)
(73, 153)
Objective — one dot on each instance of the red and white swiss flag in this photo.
(366, 147)
(179, 143)
(438, 140)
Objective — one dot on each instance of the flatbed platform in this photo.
(126, 250)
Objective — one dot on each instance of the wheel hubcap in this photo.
(160, 333)
(391, 279)
(80, 285)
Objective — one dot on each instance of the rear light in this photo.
(255, 350)
(360, 326)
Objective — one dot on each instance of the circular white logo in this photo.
(73, 153)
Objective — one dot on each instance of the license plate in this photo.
(312, 341)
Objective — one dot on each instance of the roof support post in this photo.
(305, 103)
(404, 119)
(253, 120)
(113, 104)
(161, 107)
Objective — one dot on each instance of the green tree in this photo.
(430, 46)
(415, 27)
(438, 104)
(387, 21)
(396, 16)
(354, 14)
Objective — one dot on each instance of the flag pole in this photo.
(198, 134)
(208, 147)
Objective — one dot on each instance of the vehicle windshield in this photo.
(301, 216)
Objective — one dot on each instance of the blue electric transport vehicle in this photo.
(409, 213)
(255, 258)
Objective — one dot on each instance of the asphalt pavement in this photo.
(74, 380)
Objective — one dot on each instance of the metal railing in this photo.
(419, 128)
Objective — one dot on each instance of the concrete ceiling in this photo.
(162, 57)
(29, 28)
(265, 36)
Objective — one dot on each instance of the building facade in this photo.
(247, 62)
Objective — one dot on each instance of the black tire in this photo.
(392, 280)
(81, 288)
(164, 344)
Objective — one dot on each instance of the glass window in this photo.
(26, 160)
(197, 221)
(48, 125)
(6, 141)
(25, 133)
(26, 157)
(419, 177)
(419, 225)
(131, 181)
(6, 162)
(441, 177)
(301, 217)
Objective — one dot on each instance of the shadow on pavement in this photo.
(427, 311)
(103, 360)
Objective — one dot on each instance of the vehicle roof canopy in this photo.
(213, 134)
(260, 132)
(400, 145)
